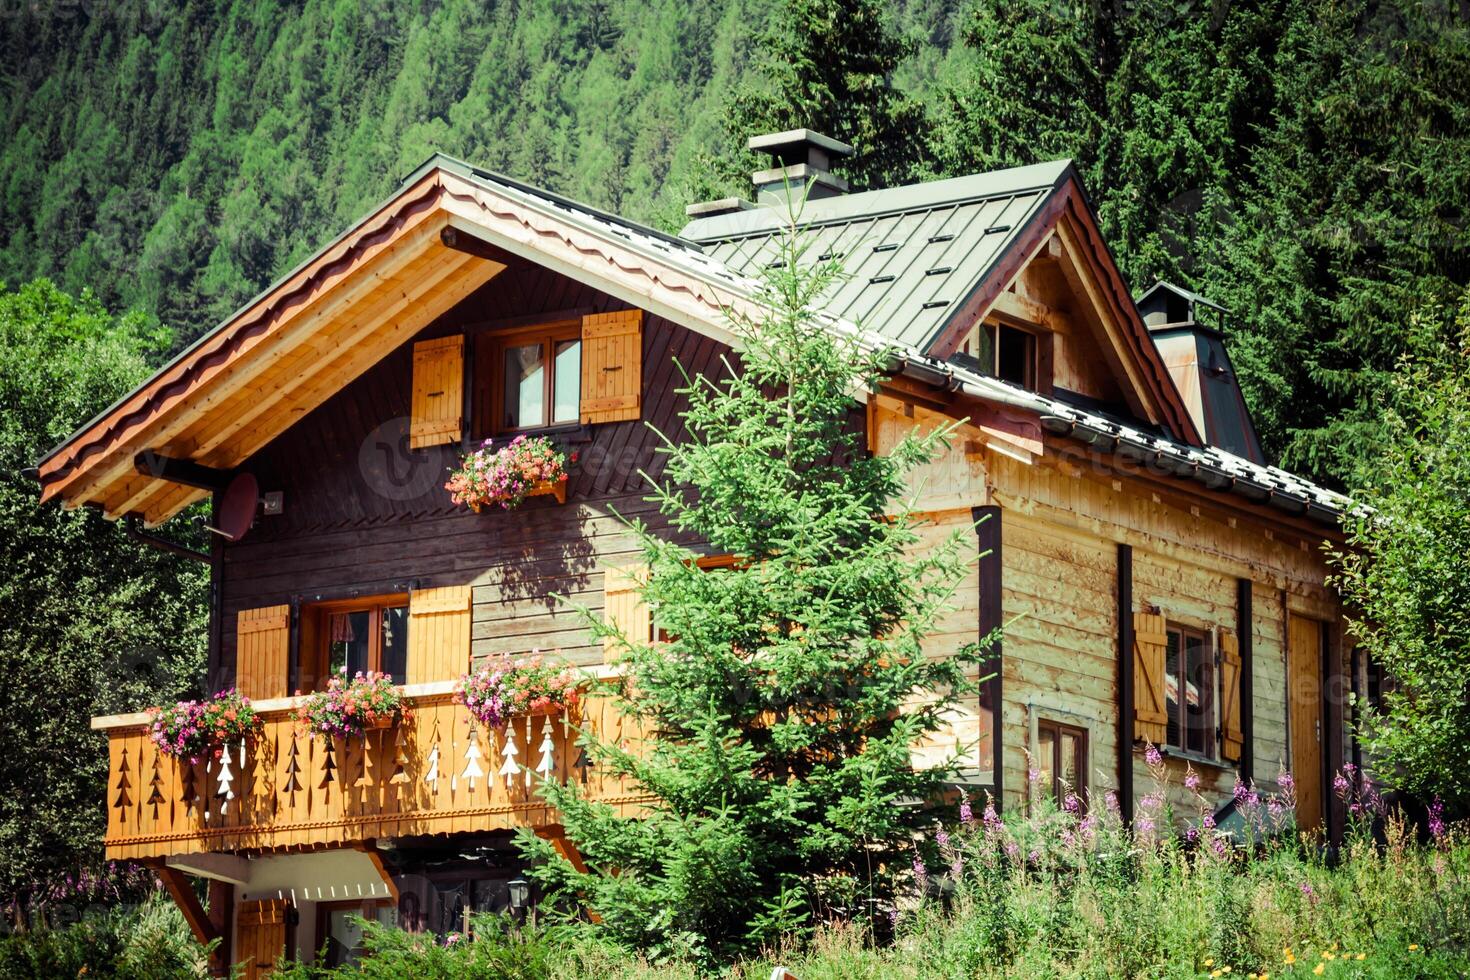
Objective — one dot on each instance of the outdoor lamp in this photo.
(520, 893)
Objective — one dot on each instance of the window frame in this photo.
(1058, 788)
(991, 329)
(495, 344)
(316, 645)
(1211, 657)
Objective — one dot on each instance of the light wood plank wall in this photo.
(1063, 520)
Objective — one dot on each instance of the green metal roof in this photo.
(911, 255)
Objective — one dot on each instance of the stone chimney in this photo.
(1189, 332)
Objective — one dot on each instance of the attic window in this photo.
(1005, 352)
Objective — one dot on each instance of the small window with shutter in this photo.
(262, 652)
(437, 410)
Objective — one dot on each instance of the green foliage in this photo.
(144, 942)
(778, 758)
(1405, 570)
(827, 65)
(1049, 893)
(90, 622)
(1306, 163)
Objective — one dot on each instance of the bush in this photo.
(149, 941)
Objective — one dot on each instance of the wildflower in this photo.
(1209, 961)
(1361, 956)
(1340, 785)
(1191, 781)
(967, 815)
(1286, 782)
(921, 874)
(1152, 756)
(1413, 947)
(1319, 968)
(941, 838)
(1436, 818)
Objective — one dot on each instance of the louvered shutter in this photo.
(438, 634)
(624, 606)
(262, 646)
(612, 366)
(437, 412)
(1150, 642)
(1231, 735)
(260, 936)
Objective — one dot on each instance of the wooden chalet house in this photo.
(1159, 580)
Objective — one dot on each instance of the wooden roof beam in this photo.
(255, 356)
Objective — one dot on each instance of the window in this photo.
(530, 378)
(1061, 758)
(657, 631)
(359, 635)
(1189, 691)
(1008, 353)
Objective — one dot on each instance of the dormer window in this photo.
(1005, 352)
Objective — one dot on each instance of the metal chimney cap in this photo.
(773, 142)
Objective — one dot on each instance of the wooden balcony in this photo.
(435, 772)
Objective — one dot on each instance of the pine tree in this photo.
(827, 65)
(782, 710)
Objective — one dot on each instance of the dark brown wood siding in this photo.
(365, 515)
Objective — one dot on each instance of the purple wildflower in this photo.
(1436, 818)
(1152, 755)
(1191, 781)
(967, 815)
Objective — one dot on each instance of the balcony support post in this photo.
(182, 892)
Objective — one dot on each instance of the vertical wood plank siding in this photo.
(364, 513)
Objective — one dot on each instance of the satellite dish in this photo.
(237, 507)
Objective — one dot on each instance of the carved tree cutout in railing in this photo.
(472, 771)
(509, 768)
(189, 793)
(225, 791)
(155, 784)
(370, 741)
(124, 783)
(263, 783)
(293, 772)
(400, 756)
(431, 775)
(547, 763)
(329, 765)
(582, 764)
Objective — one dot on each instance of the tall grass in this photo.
(1064, 891)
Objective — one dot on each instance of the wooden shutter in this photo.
(1232, 736)
(612, 366)
(437, 412)
(624, 607)
(438, 634)
(262, 646)
(1150, 642)
(260, 936)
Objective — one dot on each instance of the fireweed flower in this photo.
(1191, 781)
(1436, 818)
(967, 815)
(1152, 756)
(1341, 786)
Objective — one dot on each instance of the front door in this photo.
(260, 937)
(1304, 677)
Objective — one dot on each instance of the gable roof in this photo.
(397, 270)
(911, 255)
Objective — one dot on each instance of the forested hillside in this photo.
(1307, 162)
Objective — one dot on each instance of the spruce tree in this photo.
(787, 689)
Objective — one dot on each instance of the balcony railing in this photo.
(436, 772)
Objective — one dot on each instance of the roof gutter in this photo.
(942, 376)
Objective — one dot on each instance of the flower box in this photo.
(509, 687)
(195, 730)
(351, 707)
(524, 467)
